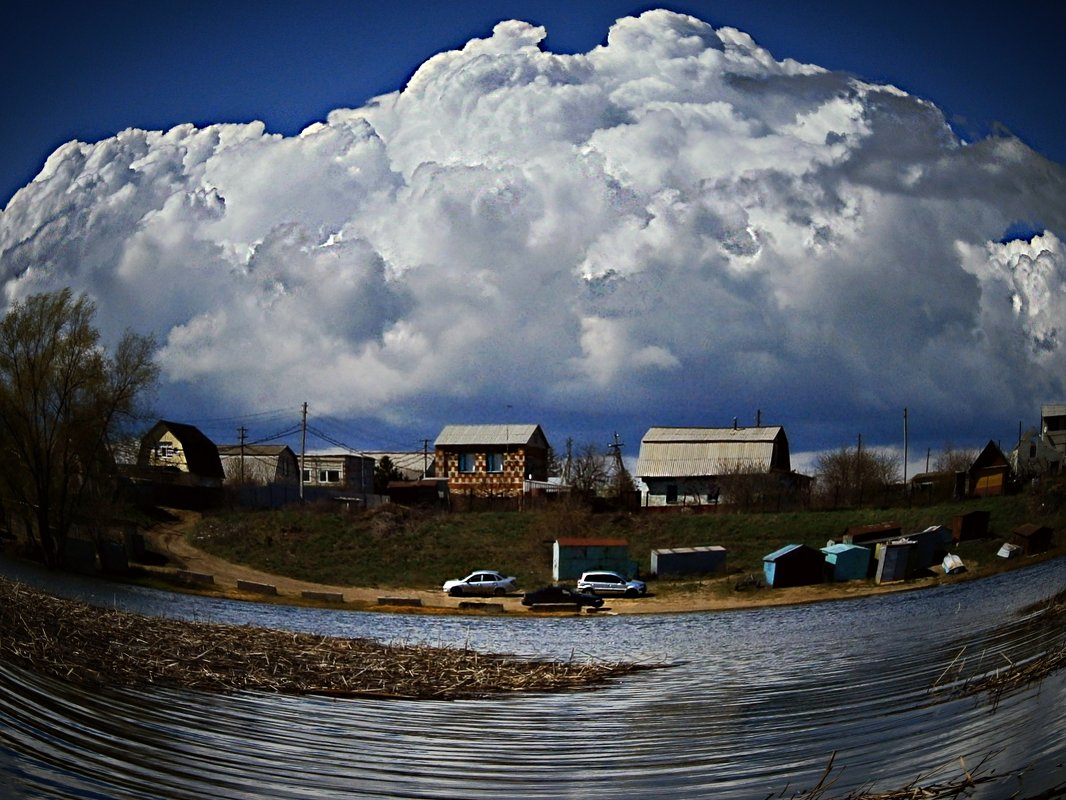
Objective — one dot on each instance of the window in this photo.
(466, 462)
(329, 476)
(307, 476)
(165, 450)
(494, 462)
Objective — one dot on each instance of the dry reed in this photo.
(93, 646)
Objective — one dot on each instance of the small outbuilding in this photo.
(1032, 539)
(794, 565)
(847, 562)
(969, 526)
(878, 531)
(930, 547)
(678, 561)
(572, 556)
(892, 560)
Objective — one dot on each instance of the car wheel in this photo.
(499, 591)
(631, 592)
(455, 591)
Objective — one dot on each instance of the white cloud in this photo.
(675, 221)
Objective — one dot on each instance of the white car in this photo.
(603, 582)
(486, 582)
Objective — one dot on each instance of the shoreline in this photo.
(677, 597)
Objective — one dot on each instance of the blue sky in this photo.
(87, 71)
(838, 258)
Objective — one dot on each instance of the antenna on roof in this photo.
(734, 423)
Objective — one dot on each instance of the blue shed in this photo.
(794, 565)
(847, 562)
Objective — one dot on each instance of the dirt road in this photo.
(170, 539)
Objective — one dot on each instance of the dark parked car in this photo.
(559, 595)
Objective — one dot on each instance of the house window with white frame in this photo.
(467, 462)
(494, 462)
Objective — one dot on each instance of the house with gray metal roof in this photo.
(699, 466)
(491, 460)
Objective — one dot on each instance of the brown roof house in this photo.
(699, 466)
(491, 460)
(988, 474)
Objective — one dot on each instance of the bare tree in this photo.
(590, 471)
(954, 459)
(63, 399)
(852, 476)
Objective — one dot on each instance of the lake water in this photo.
(754, 704)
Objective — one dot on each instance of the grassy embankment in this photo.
(399, 547)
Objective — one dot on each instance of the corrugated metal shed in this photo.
(571, 556)
(676, 561)
(847, 562)
(691, 452)
(503, 435)
(794, 565)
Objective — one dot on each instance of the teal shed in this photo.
(572, 556)
(847, 562)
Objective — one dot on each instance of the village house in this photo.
(491, 460)
(180, 453)
(344, 473)
(988, 474)
(700, 466)
(177, 465)
(259, 464)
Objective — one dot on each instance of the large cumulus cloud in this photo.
(668, 226)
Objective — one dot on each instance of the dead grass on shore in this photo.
(92, 646)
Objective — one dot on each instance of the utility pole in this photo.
(905, 443)
(241, 433)
(303, 452)
(425, 457)
(619, 466)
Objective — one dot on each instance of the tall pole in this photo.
(303, 451)
(242, 432)
(905, 443)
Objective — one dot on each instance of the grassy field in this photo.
(393, 546)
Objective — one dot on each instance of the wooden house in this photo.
(988, 474)
(184, 452)
(177, 465)
(491, 460)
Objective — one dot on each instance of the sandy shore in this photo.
(170, 540)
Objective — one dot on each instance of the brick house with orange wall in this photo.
(491, 460)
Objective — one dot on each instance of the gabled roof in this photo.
(698, 452)
(501, 435)
(201, 455)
